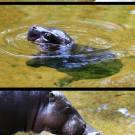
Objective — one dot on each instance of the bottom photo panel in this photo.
(50, 112)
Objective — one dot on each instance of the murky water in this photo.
(108, 28)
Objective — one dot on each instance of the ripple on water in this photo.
(104, 24)
(15, 41)
(100, 43)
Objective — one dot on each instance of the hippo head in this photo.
(60, 117)
(48, 38)
(35, 32)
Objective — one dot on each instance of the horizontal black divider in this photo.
(69, 89)
(67, 3)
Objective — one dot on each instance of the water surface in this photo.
(100, 27)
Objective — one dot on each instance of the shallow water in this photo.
(100, 27)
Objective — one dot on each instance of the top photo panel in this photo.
(67, 0)
(67, 46)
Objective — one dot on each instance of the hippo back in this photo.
(18, 109)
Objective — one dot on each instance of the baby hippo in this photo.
(50, 40)
(39, 111)
(61, 118)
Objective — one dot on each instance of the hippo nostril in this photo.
(34, 27)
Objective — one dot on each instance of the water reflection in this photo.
(89, 66)
(77, 58)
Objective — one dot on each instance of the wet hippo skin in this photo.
(40, 111)
(50, 40)
(18, 110)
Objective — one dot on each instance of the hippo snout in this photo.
(50, 39)
(33, 33)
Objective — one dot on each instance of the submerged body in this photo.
(58, 49)
(40, 111)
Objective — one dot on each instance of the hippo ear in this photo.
(51, 97)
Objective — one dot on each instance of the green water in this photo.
(101, 27)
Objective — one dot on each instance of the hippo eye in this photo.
(51, 97)
(67, 110)
(47, 34)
